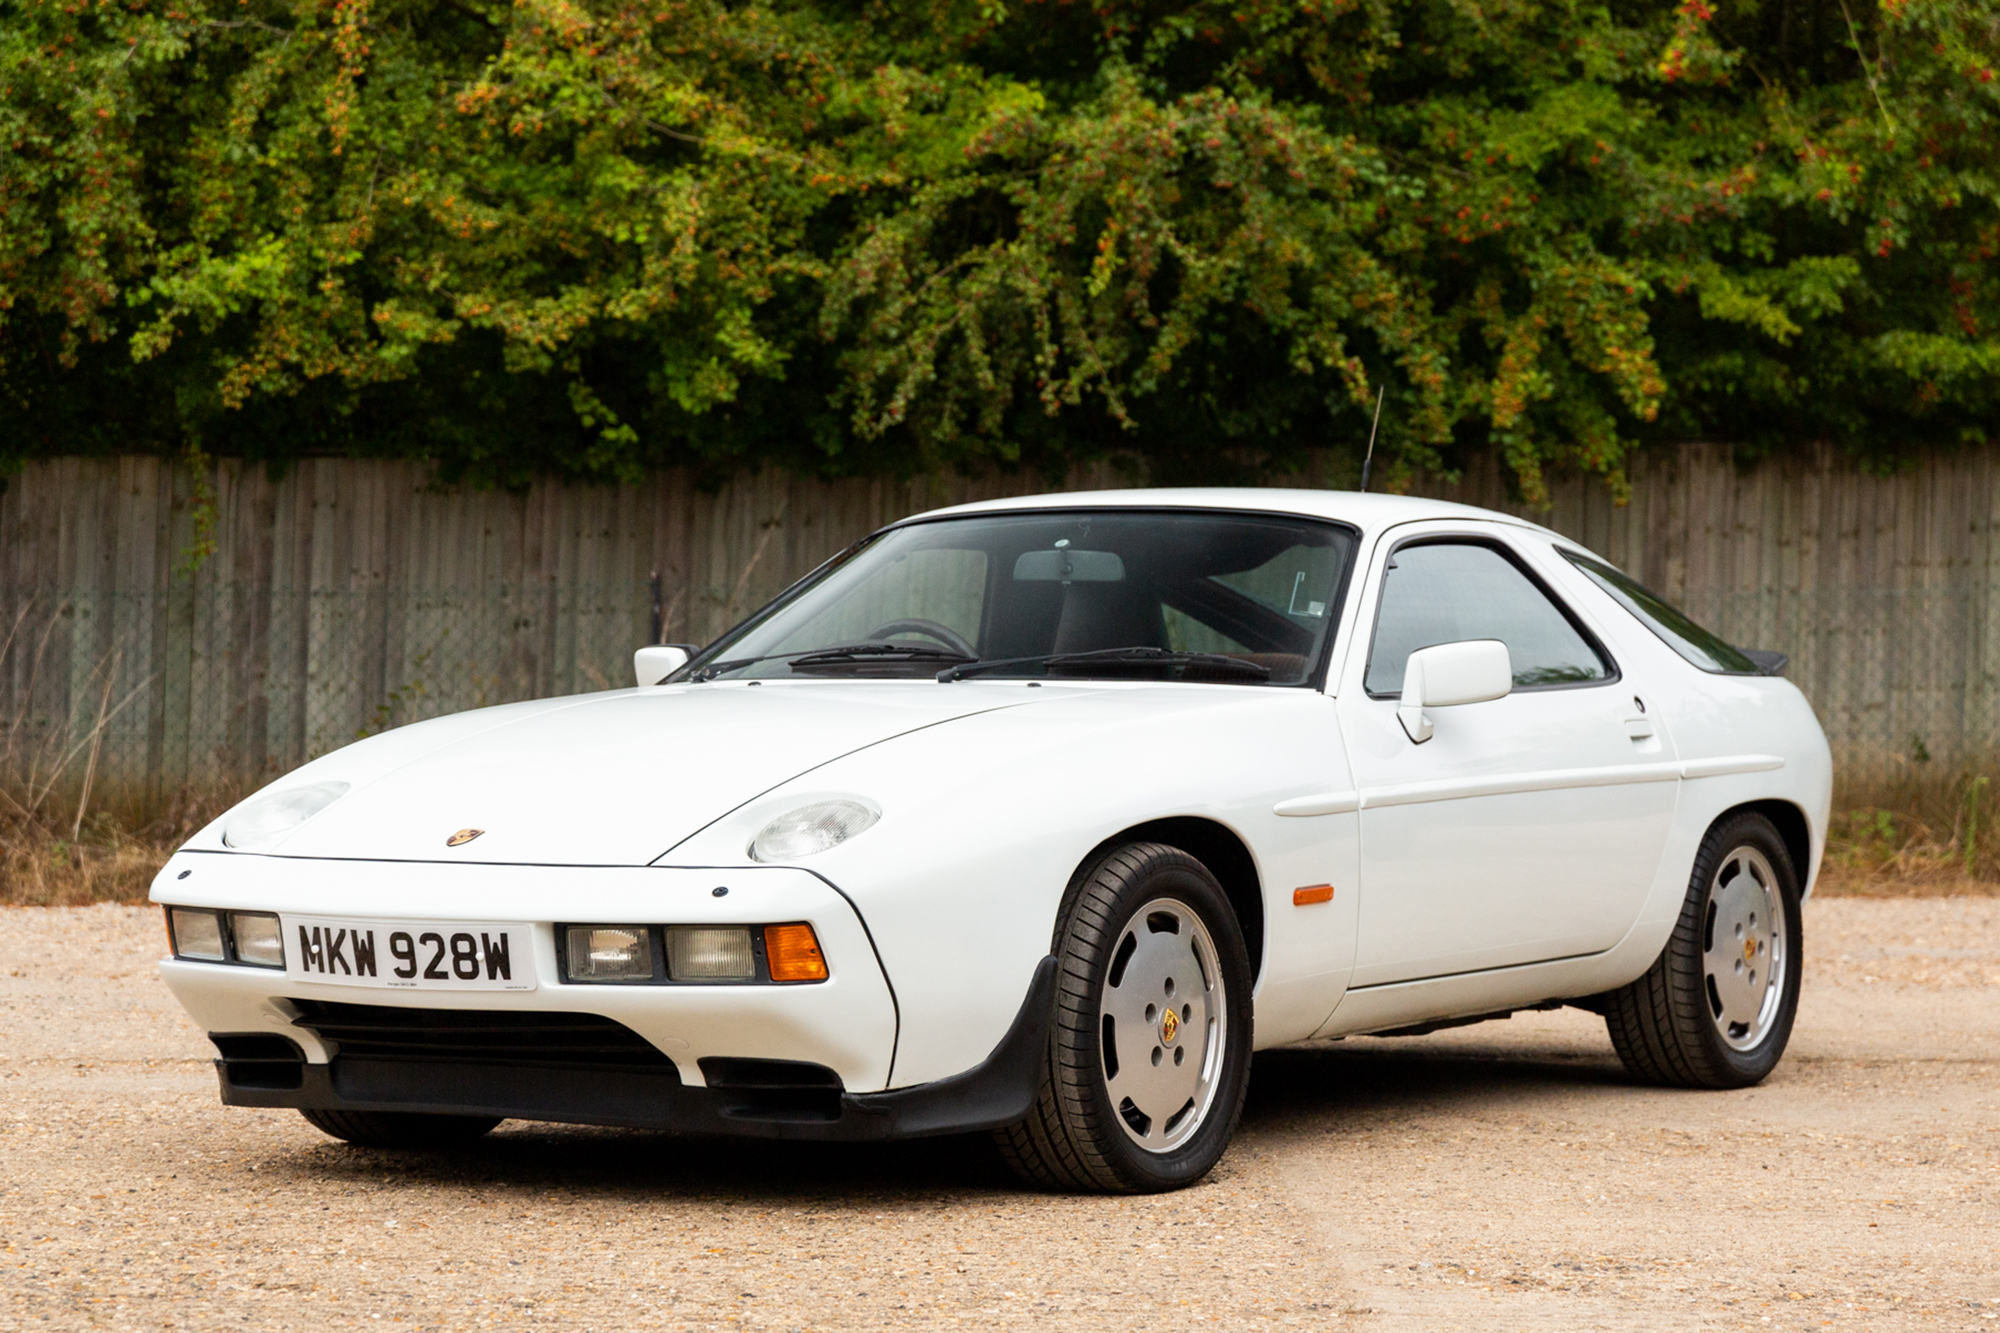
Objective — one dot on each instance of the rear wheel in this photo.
(1149, 1056)
(1716, 1008)
(400, 1129)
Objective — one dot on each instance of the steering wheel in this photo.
(930, 629)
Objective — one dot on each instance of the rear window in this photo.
(1706, 650)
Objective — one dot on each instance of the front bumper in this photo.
(810, 1060)
(746, 1097)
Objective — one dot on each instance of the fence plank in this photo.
(349, 594)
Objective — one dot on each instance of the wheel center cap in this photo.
(1750, 950)
(1170, 1025)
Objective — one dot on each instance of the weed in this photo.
(112, 858)
(1920, 839)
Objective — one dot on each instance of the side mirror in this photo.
(1469, 672)
(655, 663)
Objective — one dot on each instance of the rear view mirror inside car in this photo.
(1066, 566)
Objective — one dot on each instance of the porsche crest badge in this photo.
(463, 836)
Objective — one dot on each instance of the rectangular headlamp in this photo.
(613, 954)
(197, 933)
(205, 935)
(710, 953)
(257, 939)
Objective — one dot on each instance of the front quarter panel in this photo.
(984, 822)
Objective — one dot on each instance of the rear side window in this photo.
(1445, 592)
(1697, 645)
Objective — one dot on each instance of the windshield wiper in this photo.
(835, 654)
(1113, 657)
(705, 674)
(878, 652)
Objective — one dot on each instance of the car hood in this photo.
(608, 779)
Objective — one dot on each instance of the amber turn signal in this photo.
(793, 953)
(1312, 893)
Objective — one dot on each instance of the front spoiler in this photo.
(998, 1091)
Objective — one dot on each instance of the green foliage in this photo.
(592, 236)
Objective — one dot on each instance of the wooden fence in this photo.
(346, 595)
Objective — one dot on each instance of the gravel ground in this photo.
(1495, 1177)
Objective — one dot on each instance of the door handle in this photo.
(1637, 725)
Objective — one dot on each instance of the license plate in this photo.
(410, 955)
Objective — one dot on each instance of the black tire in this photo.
(400, 1129)
(1671, 1027)
(1075, 1138)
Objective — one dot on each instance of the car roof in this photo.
(1370, 513)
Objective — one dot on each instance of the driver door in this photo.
(1527, 828)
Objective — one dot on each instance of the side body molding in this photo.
(1417, 793)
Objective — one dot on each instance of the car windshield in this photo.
(1190, 595)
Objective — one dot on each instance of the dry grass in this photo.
(1931, 836)
(104, 858)
(63, 840)
(40, 871)
(1839, 881)
(70, 833)
(109, 857)
(1878, 852)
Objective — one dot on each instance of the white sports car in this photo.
(1035, 816)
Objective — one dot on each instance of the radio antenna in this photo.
(1367, 461)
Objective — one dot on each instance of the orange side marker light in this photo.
(793, 953)
(1312, 893)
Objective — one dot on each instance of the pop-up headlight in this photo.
(260, 823)
(811, 829)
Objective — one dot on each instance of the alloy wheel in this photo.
(1743, 948)
(1164, 1013)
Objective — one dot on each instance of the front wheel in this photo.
(1716, 1008)
(1149, 1056)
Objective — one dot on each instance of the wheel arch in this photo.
(1227, 857)
(1792, 826)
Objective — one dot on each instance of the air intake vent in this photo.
(772, 1089)
(375, 1032)
(259, 1059)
